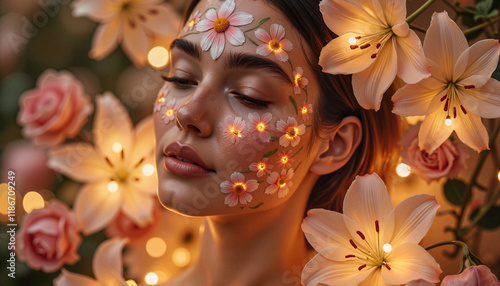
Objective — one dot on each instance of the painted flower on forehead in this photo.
(374, 45)
(274, 42)
(221, 26)
(261, 125)
(262, 167)
(280, 182)
(305, 109)
(194, 18)
(238, 189)
(299, 82)
(233, 128)
(169, 113)
(460, 91)
(292, 131)
(160, 101)
(284, 158)
(371, 243)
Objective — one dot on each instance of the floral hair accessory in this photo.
(194, 18)
(274, 42)
(238, 189)
(221, 26)
(233, 128)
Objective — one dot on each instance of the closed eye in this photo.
(180, 82)
(251, 102)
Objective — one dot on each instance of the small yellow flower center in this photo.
(281, 182)
(261, 166)
(304, 110)
(291, 132)
(235, 131)
(239, 188)
(169, 112)
(298, 80)
(284, 159)
(191, 22)
(161, 98)
(275, 46)
(221, 24)
(261, 126)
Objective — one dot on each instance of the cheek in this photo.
(164, 111)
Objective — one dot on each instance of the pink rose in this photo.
(57, 109)
(49, 238)
(445, 161)
(125, 227)
(472, 276)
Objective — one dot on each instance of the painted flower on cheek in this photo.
(460, 91)
(292, 131)
(371, 243)
(160, 101)
(284, 158)
(280, 182)
(169, 113)
(233, 128)
(260, 126)
(374, 45)
(274, 42)
(194, 18)
(299, 82)
(238, 189)
(221, 26)
(305, 109)
(262, 167)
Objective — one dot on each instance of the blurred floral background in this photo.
(71, 42)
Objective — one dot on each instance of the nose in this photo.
(195, 115)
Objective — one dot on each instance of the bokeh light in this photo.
(156, 247)
(32, 201)
(158, 57)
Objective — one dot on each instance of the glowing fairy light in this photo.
(131, 282)
(292, 132)
(284, 159)
(448, 121)
(387, 248)
(156, 247)
(304, 110)
(169, 112)
(239, 188)
(158, 57)
(352, 41)
(281, 182)
(181, 257)
(112, 186)
(403, 170)
(117, 147)
(235, 132)
(161, 98)
(262, 166)
(498, 175)
(191, 23)
(261, 126)
(32, 201)
(148, 170)
(275, 46)
(151, 278)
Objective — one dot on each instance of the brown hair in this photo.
(378, 150)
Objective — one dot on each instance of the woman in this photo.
(251, 134)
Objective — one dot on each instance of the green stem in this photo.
(418, 28)
(258, 25)
(483, 25)
(419, 11)
(481, 213)
(451, 6)
(447, 242)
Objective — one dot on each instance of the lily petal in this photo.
(323, 228)
(410, 262)
(433, 131)
(137, 206)
(143, 136)
(95, 206)
(414, 99)
(107, 263)
(483, 101)
(106, 39)
(97, 10)
(374, 279)
(69, 278)
(370, 84)
(78, 161)
(164, 22)
(413, 218)
(444, 43)
(472, 132)
(412, 66)
(136, 44)
(394, 11)
(479, 61)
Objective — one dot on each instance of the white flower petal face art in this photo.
(241, 129)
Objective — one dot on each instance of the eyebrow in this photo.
(235, 60)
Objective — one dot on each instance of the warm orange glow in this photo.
(156, 247)
(304, 110)
(261, 126)
(161, 98)
(33, 200)
(284, 159)
(261, 166)
(235, 131)
(191, 23)
(117, 147)
(158, 57)
(112, 186)
(298, 79)
(275, 45)
(448, 121)
(239, 188)
(151, 278)
(131, 282)
(281, 182)
(403, 170)
(221, 25)
(169, 112)
(291, 132)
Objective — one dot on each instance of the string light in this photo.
(387, 248)
(403, 170)
(169, 112)
(131, 282)
(498, 175)
(112, 186)
(158, 57)
(32, 201)
(181, 257)
(156, 247)
(148, 169)
(448, 121)
(151, 278)
(261, 127)
(352, 41)
(117, 147)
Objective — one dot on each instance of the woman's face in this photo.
(233, 121)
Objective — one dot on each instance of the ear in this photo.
(338, 147)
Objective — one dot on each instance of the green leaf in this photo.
(274, 138)
(294, 104)
(490, 220)
(270, 153)
(454, 191)
(256, 206)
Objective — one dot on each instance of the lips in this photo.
(182, 160)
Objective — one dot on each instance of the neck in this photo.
(263, 248)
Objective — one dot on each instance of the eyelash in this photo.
(246, 100)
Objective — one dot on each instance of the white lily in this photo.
(118, 169)
(460, 90)
(371, 243)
